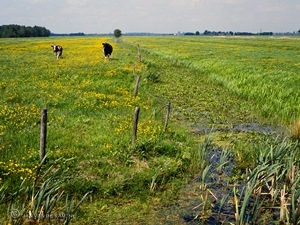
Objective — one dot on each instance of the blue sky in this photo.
(157, 16)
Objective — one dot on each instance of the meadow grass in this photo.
(262, 69)
(90, 107)
(211, 83)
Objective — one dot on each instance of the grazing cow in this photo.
(107, 50)
(57, 50)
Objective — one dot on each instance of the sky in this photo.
(154, 16)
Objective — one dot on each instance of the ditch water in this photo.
(252, 127)
(198, 205)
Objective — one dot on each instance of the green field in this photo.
(238, 95)
(264, 70)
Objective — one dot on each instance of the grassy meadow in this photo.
(263, 69)
(236, 94)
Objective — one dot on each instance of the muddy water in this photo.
(190, 209)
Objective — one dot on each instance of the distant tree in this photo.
(197, 33)
(23, 31)
(206, 32)
(13, 30)
(189, 33)
(117, 33)
(77, 34)
(7, 31)
(298, 31)
(266, 33)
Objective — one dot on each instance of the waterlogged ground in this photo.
(200, 201)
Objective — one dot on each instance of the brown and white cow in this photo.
(57, 50)
(107, 50)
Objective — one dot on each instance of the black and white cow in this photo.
(57, 50)
(107, 50)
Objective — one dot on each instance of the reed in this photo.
(295, 130)
(273, 174)
(224, 159)
(39, 201)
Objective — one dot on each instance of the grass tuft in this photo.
(295, 130)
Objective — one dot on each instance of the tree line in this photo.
(217, 33)
(14, 31)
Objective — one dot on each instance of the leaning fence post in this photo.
(167, 115)
(135, 124)
(43, 134)
(136, 88)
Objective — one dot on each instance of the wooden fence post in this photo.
(167, 116)
(135, 124)
(139, 53)
(43, 134)
(133, 69)
(136, 88)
